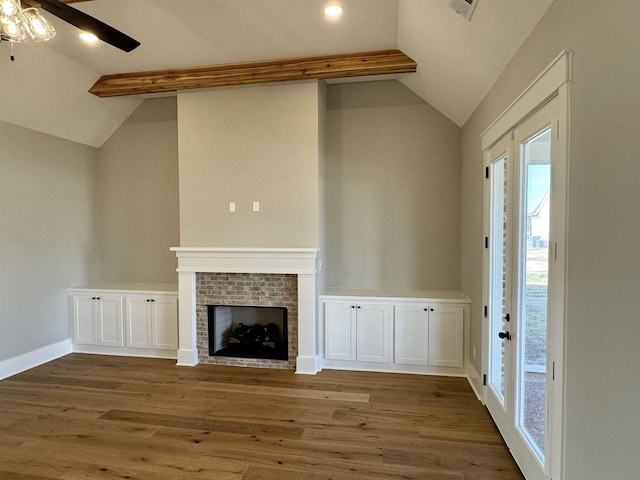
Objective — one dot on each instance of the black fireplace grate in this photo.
(248, 332)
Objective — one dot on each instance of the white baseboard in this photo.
(308, 365)
(393, 368)
(13, 366)
(187, 358)
(124, 352)
(475, 380)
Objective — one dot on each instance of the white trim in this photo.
(247, 260)
(550, 80)
(127, 289)
(397, 296)
(475, 380)
(187, 349)
(554, 81)
(13, 366)
(308, 365)
(307, 323)
(124, 352)
(390, 367)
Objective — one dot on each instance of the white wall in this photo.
(392, 190)
(245, 144)
(44, 80)
(47, 241)
(602, 331)
(137, 212)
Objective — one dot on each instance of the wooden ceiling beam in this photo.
(384, 62)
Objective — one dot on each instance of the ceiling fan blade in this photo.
(87, 23)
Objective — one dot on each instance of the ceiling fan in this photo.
(84, 22)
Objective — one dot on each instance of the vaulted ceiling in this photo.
(46, 87)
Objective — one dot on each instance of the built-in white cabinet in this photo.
(97, 319)
(428, 335)
(340, 331)
(372, 332)
(357, 331)
(446, 336)
(395, 333)
(411, 335)
(152, 321)
(119, 321)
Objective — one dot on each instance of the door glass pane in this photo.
(536, 190)
(499, 277)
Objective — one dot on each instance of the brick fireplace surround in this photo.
(195, 263)
(248, 289)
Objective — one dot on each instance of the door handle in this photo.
(504, 335)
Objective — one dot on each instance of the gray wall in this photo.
(602, 331)
(321, 277)
(245, 144)
(392, 188)
(46, 235)
(137, 190)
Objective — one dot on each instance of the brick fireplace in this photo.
(246, 289)
(200, 268)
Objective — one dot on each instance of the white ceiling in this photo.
(458, 61)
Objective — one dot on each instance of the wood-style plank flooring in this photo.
(96, 417)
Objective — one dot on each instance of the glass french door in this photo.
(523, 294)
(499, 308)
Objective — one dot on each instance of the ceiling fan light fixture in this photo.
(11, 30)
(10, 8)
(38, 27)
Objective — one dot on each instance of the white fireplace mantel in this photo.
(247, 260)
(297, 261)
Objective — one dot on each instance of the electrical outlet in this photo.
(232, 207)
(256, 206)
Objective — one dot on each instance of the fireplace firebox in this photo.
(248, 331)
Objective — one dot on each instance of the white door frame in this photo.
(554, 81)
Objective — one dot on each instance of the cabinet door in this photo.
(109, 320)
(373, 333)
(138, 320)
(84, 331)
(411, 335)
(445, 336)
(340, 331)
(164, 322)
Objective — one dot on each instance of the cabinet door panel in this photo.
(446, 336)
(373, 333)
(138, 322)
(411, 335)
(165, 323)
(109, 320)
(83, 318)
(340, 331)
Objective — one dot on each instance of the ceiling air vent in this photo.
(463, 7)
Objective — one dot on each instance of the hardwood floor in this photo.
(96, 417)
